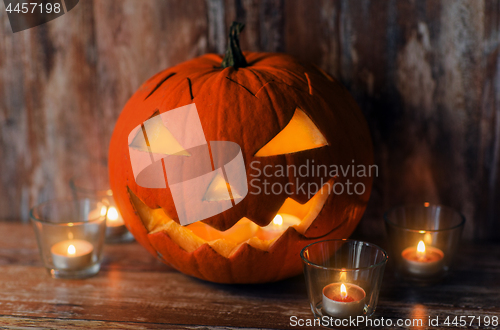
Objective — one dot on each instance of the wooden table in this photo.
(135, 291)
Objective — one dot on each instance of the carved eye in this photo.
(300, 134)
(156, 138)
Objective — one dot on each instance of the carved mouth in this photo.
(244, 231)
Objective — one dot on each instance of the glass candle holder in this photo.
(70, 235)
(116, 231)
(343, 279)
(423, 239)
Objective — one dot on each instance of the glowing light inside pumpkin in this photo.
(244, 231)
(278, 220)
(300, 134)
(279, 224)
(71, 250)
(343, 291)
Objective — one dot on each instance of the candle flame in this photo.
(421, 248)
(343, 291)
(426, 204)
(112, 213)
(278, 220)
(71, 249)
(103, 211)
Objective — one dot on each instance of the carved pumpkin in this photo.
(283, 114)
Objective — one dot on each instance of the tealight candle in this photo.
(279, 224)
(423, 261)
(342, 300)
(115, 226)
(72, 254)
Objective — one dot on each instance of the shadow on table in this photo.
(293, 288)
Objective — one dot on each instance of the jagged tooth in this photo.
(156, 220)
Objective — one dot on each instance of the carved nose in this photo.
(220, 190)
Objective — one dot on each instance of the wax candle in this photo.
(279, 224)
(72, 254)
(423, 261)
(342, 300)
(115, 226)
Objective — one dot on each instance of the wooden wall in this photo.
(425, 73)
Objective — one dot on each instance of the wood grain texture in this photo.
(425, 73)
(135, 291)
(21, 323)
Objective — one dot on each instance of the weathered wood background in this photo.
(425, 73)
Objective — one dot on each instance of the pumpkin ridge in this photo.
(282, 75)
(258, 75)
(277, 83)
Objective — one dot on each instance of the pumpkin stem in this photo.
(234, 56)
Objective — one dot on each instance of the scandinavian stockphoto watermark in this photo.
(359, 321)
(26, 14)
(260, 178)
(365, 321)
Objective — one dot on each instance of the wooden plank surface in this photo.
(425, 73)
(133, 290)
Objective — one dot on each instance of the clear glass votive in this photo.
(343, 279)
(70, 235)
(423, 239)
(116, 231)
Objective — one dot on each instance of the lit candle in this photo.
(115, 226)
(279, 224)
(423, 261)
(72, 254)
(342, 300)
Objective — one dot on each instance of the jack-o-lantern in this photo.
(297, 128)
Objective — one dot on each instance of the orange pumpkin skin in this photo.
(248, 106)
